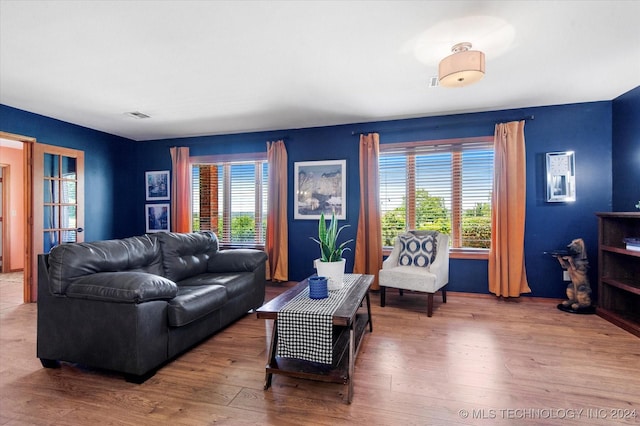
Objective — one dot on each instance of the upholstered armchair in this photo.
(419, 262)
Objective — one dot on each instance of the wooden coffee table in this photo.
(349, 325)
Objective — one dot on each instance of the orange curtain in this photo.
(180, 190)
(507, 273)
(277, 244)
(368, 254)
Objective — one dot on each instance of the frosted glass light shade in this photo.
(461, 69)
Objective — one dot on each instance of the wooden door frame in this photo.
(6, 239)
(27, 186)
(6, 236)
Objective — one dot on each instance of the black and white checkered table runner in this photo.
(305, 324)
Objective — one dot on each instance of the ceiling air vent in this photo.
(137, 114)
(433, 81)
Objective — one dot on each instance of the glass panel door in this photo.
(58, 199)
(60, 182)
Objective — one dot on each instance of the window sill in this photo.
(229, 246)
(458, 253)
(469, 253)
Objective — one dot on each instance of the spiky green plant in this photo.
(328, 240)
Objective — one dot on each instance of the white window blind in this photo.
(230, 198)
(438, 185)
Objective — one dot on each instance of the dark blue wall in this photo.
(626, 151)
(115, 176)
(155, 155)
(584, 128)
(106, 193)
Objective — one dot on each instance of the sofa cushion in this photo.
(194, 302)
(235, 283)
(186, 255)
(73, 260)
(417, 248)
(246, 260)
(124, 287)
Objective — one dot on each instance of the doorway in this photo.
(58, 200)
(12, 215)
(2, 214)
(53, 199)
(12, 221)
(11, 281)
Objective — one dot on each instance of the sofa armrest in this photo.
(236, 260)
(122, 287)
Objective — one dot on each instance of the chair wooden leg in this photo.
(430, 305)
(382, 295)
(444, 295)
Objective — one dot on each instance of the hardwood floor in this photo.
(11, 290)
(478, 360)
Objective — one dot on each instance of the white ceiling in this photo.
(217, 67)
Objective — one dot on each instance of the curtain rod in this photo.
(207, 139)
(437, 126)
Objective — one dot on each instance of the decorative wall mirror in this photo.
(561, 176)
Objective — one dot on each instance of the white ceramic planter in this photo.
(334, 271)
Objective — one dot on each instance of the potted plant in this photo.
(331, 264)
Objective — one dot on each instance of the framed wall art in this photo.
(157, 185)
(320, 187)
(561, 176)
(158, 219)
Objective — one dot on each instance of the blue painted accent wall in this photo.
(584, 128)
(626, 151)
(115, 175)
(105, 178)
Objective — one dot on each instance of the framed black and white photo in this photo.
(158, 219)
(157, 185)
(561, 176)
(320, 187)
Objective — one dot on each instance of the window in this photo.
(230, 198)
(438, 185)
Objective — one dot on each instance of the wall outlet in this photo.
(566, 276)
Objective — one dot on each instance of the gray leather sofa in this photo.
(130, 305)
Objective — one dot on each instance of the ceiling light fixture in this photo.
(462, 68)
